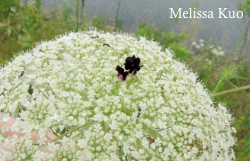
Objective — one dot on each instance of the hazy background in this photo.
(226, 32)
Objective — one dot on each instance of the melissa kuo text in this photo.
(192, 13)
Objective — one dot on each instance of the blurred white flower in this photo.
(193, 43)
(211, 46)
(5, 117)
(201, 41)
(217, 51)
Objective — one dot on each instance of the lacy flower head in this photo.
(68, 87)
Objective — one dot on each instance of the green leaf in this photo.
(153, 133)
(129, 157)
(240, 77)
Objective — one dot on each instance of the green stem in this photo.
(231, 90)
(217, 86)
(70, 131)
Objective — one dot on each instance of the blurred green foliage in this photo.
(244, 6)
(166, 39)
(98, 23)
(243, 120)
(23, 25)
(118, 24)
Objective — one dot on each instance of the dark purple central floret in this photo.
(132, 64)
(121, 74)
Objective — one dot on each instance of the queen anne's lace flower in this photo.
(69, 87)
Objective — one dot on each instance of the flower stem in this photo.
(231, 90)
(217, 86)
(70, 131)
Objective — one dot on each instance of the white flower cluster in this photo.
(217, 50)
(69, 87)
(199, 44)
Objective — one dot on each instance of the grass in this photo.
(22, 26)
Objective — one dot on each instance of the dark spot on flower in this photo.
(125, 75)
(63, 131)
(133, 64)
(30, 90)
(121, 73)
(139, 113)
(119, 69)
(22, 73)
(47, 93)
(150, 140)
(94, 37)
(2, 66)
(105, 44)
